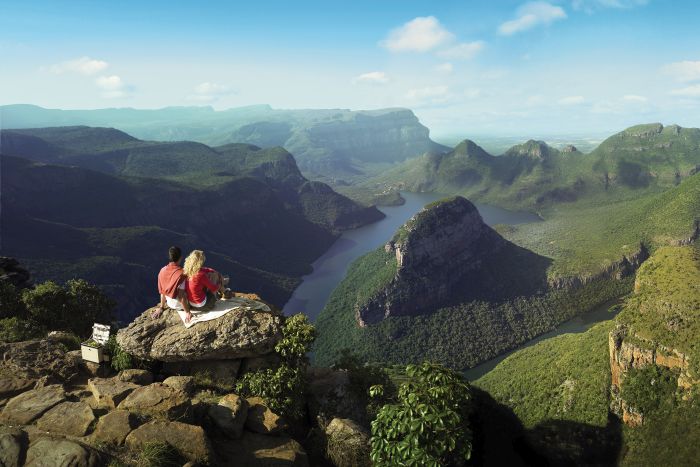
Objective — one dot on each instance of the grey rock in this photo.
(190, 440)
(261, 419)
(114, 427)
(109, 392)
(157, 399)
(68, 418)
(269, 451)
(348, 443)
(219, 371)
(50, 452)
(181, 383)
(136, 376)
(22, 364)
(30, 405)
(238, 334)
(230, 415)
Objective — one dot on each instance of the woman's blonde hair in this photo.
(194, 262)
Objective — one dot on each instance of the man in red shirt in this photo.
(171, 285)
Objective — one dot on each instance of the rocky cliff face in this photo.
(446, 254)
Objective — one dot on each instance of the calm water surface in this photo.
(313, 293)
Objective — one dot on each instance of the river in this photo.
(328, 270)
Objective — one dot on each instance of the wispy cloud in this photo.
(209, 92)
(429, 96)
(634, 98)
(373, 77)
(571, 100)
(113, 87)
(685, 71)
(446, 68)
(530, 15)
(421, 34)
(82, 65)
(463, 51)
(688, 91)
(591, 5)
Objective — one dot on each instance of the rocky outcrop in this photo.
(22, 364)
(261, 419)
(136, 376)
(49, 451)
(30, 405)
(448, 250)
(348, 443)
(255, 449)
(250, 331)
(114, 427)
(230, 415)
(157, 400)
(67, 418)
(109, 392)
(190, 440)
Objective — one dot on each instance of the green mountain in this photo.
(642, 366)
(449, 288)
(535, 176)
(328, 143)
(77, 210)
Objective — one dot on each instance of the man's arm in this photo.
(182, 297)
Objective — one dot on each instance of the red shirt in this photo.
(197, 286)
(169, 277)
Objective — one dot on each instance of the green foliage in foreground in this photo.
(427, 426)
(120, 360)
(563, 378)
(283, 388)
(73, 307)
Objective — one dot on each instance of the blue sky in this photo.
(465, 67)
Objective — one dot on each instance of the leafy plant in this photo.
(283, 387)
(11, 305)
(16, 329)
(427, 426)
(120, 360)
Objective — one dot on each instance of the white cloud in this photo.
(684, 71)
(429, 96)
(530, 15)
(634, 98)
(373, 77)
(463, 51)
(590, 5)
(472, 93)
(82, 65)
(446, 68)
(534, 100)
(209, 92)
(571, 100)
(421, 34)
(689, 91)
(113, 87)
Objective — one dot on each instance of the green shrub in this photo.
(283, 388)
(650, 388)
(74, 307)
(120, 360)
(158, 454)
(17, 329)
(427, 426)
(11, 305)
(298, 335)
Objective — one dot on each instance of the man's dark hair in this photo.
(174, 253)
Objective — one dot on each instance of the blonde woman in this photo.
(202, 283)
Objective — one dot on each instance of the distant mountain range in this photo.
(100, 204)
(328, 143)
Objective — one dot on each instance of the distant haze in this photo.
(563, 67)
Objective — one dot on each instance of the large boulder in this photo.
(136, 376)
(22, 364)
(249, 331)
(68, 418)
(261, 419)
(181, 383)
(230, 415)
(46, 452)
(158, 400)
(109, 392)
(114, 427)
(30, 405)
(190, 440)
